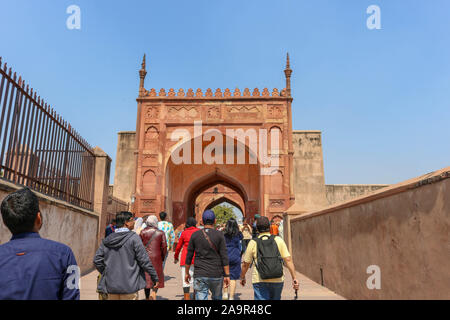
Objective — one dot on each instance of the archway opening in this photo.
(186, 180)
(220, 195)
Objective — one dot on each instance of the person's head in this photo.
(191, 222)
(257, 216)
(20, 212)
(263, 224)
(232, 228)
(124, 219)
(152, 221)
(113, 222)
(163, 216)
(209, 218)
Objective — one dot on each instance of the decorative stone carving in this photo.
(243, 112)
(171, 93)
(213, 112)
(190, 93)
(277, 203)
(237, 92)
(180, 93)
(162, 92)
(275, 92)
(208, 93)
(227, 93)
(275, 112)
(218, 93)
(176, 112)
(199, 93)
(247, 92)
(151, 139)
(152, 112)
(265, 93)
(148, 205)
(149, 160)
(152, 92)
(256, 92)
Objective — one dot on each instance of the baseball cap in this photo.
(257, 216)
(208, 215)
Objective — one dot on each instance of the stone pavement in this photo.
(309, 290)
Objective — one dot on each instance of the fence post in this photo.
(101, 185)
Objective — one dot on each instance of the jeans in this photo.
(268, 290)
(203, 284)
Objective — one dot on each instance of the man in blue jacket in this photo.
(33, 268)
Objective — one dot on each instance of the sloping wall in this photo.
(403, 229)
(64, 223)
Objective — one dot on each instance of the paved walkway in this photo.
(309, 290)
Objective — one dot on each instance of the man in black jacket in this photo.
(211, 270)
(122, 260)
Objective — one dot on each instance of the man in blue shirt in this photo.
(33, 268)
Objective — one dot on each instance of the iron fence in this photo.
(39, 149)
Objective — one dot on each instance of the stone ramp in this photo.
(309, 290)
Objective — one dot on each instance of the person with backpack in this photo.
(211, 270)
(155, 244)
(268, 253)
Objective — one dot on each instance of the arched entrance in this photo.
(186, 182)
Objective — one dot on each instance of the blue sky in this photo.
(380, 97)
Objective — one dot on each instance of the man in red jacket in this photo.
(183, 244)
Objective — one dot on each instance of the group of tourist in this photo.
(133, 255)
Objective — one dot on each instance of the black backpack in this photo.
(268, 259)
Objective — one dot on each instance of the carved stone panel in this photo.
(151, 113)
(148, 205)
(213, 112)
(244, 112)
(149, 160)
(276, 203)
(151, 139)
(275, 111)
(182, 112)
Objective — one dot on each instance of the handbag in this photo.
(210, 243)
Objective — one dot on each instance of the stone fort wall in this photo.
(401, 229)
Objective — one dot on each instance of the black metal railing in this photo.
(39, 149)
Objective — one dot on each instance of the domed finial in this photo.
(142, 74)
(287, 73)
(143, 62)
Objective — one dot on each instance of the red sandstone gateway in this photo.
(254, 186)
